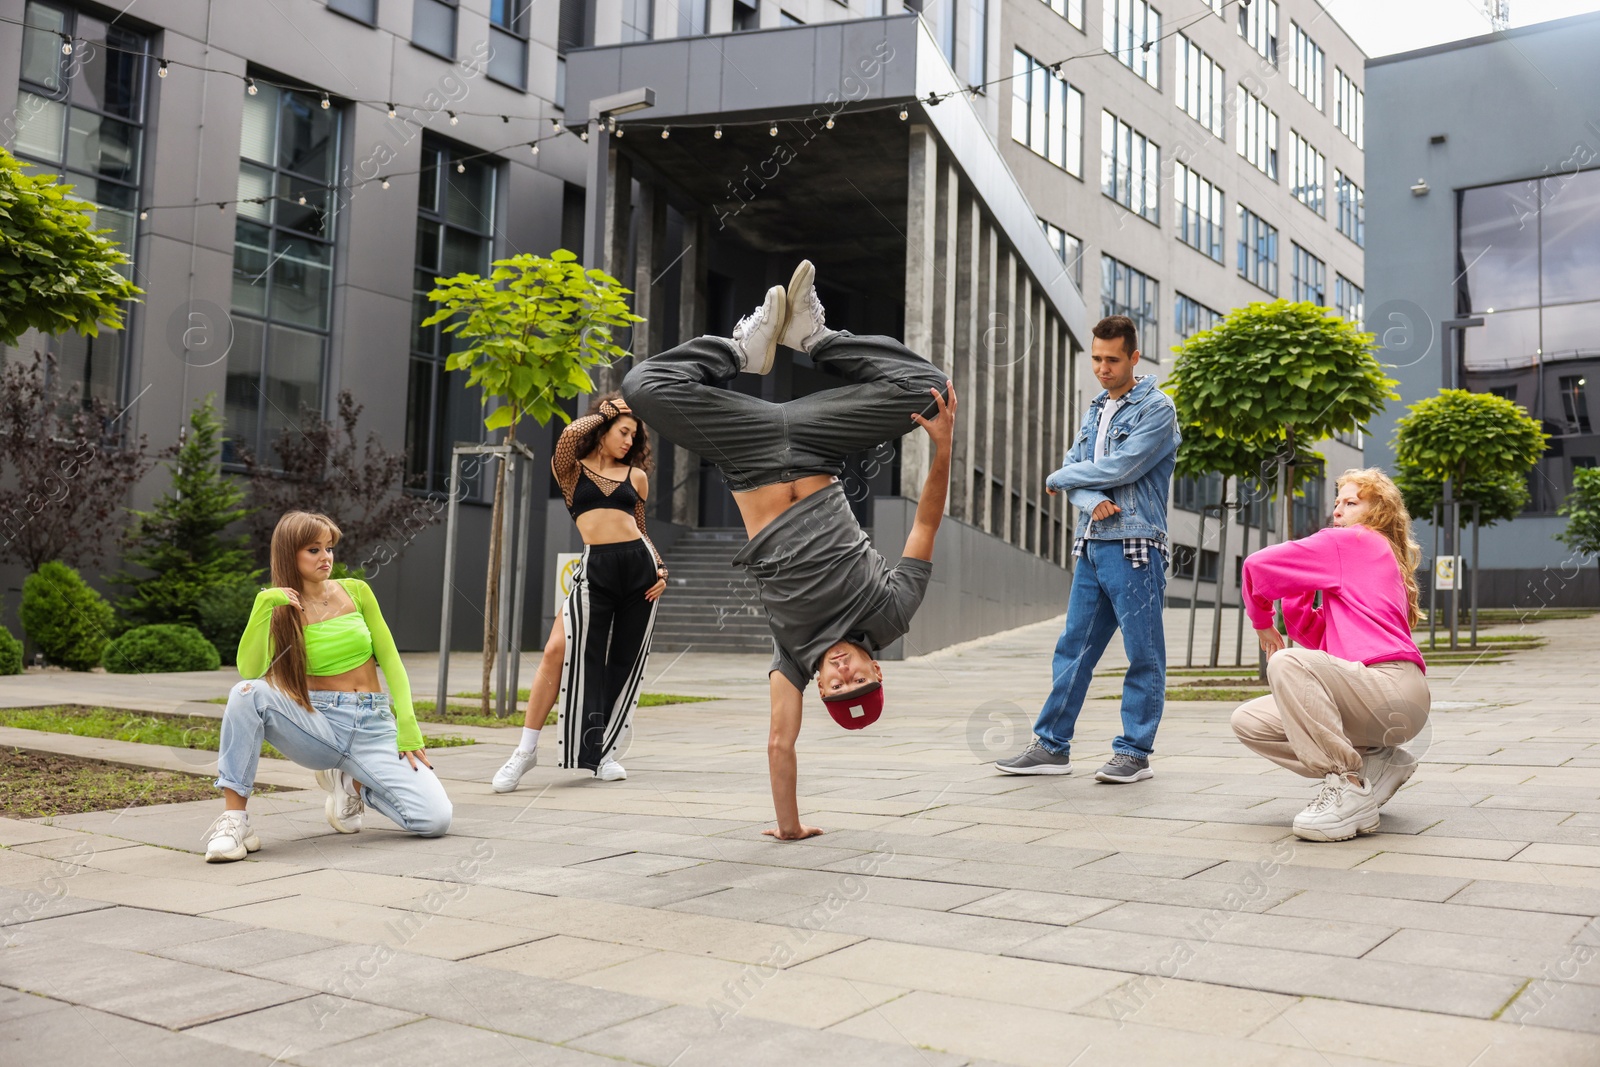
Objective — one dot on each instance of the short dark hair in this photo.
(1114, 326)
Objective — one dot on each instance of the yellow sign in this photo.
(1444, 572)
(566, 567)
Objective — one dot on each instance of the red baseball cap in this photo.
(858, 708)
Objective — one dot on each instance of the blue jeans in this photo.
(353, 732)
(1109, 593)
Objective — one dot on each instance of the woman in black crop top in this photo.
(594, 661)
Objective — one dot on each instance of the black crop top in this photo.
(591, 493)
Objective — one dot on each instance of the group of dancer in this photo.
(1341, 706)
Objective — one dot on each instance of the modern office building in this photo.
(289, 180)
(1486, 204)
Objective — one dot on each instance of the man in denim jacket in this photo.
(1117, 475)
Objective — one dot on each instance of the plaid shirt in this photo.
(1136, 550)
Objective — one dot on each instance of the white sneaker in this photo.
(807, 320)
(520, 763)
(756, 336)
(610, 771)
(230, 838)
(1387, 769)
(342, 809)
(1339, 812)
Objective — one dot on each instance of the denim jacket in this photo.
(1136, 472)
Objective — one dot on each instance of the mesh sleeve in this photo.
(564, 461)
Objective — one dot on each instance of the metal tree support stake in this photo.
(1222, 562)
(513, 568)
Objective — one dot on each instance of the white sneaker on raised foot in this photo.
(1387, 769)
(610, 771)
(807, 321)
(1340, 811)
(521, 762)
(756, 336)
(342, 809)
(230, 838)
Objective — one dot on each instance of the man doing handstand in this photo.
(830, 598)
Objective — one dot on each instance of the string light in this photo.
(619, 130)
(453, 119)
(583, 135)
(773, 132)
(385, 183)
(250, 86)
(222, 205)
(829, 123)
(391, 109)
(461, 168)
(144, 214)
(666, 131)
(533, 146)
(505, 118)
(903, 114)
(555, 127)
(326, 103)
(161, 68)
(66, 45)
(302, 200)
(718, 133)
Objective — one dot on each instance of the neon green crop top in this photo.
(336, 645)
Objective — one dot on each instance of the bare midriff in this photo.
(760, 506)
(607, 526)
(362, 679)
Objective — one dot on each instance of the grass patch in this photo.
(174, 731)
(461, 715)
(1235, 696)
(36, 784)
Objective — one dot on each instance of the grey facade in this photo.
(970, 235)
(1501, 133)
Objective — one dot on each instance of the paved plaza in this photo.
(949, 915)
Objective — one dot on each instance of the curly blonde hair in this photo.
(1387, 514)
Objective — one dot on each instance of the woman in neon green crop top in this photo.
(310, 655)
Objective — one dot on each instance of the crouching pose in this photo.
(311, 653)
(1341, 706)
(830, 598)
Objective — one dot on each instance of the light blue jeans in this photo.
(1109, 593)
(353, 732)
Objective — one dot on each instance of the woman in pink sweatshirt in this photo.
(1344, 702)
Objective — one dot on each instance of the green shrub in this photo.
(223, 611)
(161, 648)
(10, 653)
(64, 618)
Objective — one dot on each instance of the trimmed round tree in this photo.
(57, 274)
(1279, 376)
(1484, 443)
(1582, 511)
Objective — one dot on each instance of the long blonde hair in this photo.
(295, 530)
(1387, 514)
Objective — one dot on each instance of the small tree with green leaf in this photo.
(1484, 443)
(1582, 510)
(528, 335)
(187, 559)
(57, 274)
(1278, 375)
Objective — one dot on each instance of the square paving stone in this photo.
(78, 1035)
(434, 1042)
(138, 929)
(251, 946)
(289, 1030)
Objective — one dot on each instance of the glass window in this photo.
(360, 10)
(1306, 72)
(1570, 330)
(978, 42)
(1071, 10)
(1310, 277)
(1575, 404)
(1190, 316)
(693, 18)
(1131, 31)
(1352, 208)
(1258, 25)
(283, 260)
(1349, 300)
(1047, 113)
(1258, 250)
(81, 117)
(1257, 137)
(1130, 168)
(1498, 247)
(1569, 229)
(1309, 173)
(1126, 291)
(1349, 108)
(433, 26)
(639, 18)
(1069, 249)
(1199, 212)
(1199, 91)
(455, 235)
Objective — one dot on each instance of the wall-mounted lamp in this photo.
(1420, 188)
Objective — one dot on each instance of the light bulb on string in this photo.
(619, 130)
(250, 86)
(461, 168)
(302, 200)
(453, 119)
(66, 45)
(144, 214)
(533, 147)
(666, 131)
(385, 183)
(326, 103)
(583, 135)
(161, 68)
(391, 110)
(773, 132)
(555, 127)
(717, 133)
(903, 114)
(829, 123)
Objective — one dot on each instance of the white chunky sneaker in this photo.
(342, 809)
(756, 336)
(807, 320)
(230, 838)
(1340, 811)
(610, 771)
(521, 762)
(1387, 769)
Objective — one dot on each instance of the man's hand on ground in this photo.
(780, 834)
(1105, 510)
(942, 426)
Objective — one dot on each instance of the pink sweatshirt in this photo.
(1363, 613)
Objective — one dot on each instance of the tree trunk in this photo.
(491, 590)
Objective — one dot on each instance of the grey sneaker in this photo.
(1035, 759)
(807, 322)
(1386, 770)
(756, 336)
(1123, 768)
